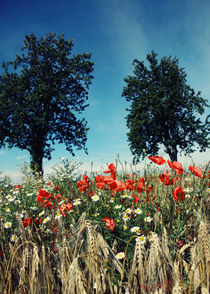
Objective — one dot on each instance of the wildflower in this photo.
(118, 206)
(148, 219)
(41, 213)
(69, 206)
(13, 238)
(58, 215)
(177, 166)
(178, 194)
(112, 200)
(96, 214)
(27, 222)
(17, 201)
(7, 225)
(15, 192)
(33, 207)
(11, 199)
(8, 209)
(95, 198)
(166, 178)
(125, 227)
(127, 196)
(125, 217)
(75, 203)
(138, 211)
(128, 210)
(188, 179)
(110, 223)
(120, 255)
(142, 239)
(196, 170)
(135, 230)
(83, 185)
(157, 159)
(46, 220)
(187, 190)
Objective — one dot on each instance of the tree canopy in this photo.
(43, 96)
(164, 110)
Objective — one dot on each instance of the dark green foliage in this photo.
(163, 110)
(40, 97)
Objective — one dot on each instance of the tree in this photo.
(163, 110)
(43, 97)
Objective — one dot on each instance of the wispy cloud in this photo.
(22, 157)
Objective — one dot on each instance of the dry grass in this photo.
(85, 263)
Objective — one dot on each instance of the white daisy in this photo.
(148, 219)
(142, 239)
(7, 225)
(58, 215)
(13, 238)
(41, 213)
(125, 217)
(46, 220)
(188, 190)
(136, 230)
(76, 203)
(118, 206)
(127, 196)
(128, 210)
(120, 255)
(138, 211)
(95, 198)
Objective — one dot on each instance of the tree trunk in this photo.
(172, 152)
(36, 162)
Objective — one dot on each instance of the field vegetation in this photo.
(114, 232)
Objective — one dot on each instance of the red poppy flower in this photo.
(27, 222)
(112, 171)
(48, 204)
(54, 228)
(83, 185)
(166, 178)
(110, 223)
(177, 166)
(44, 194)
(17, 186)
(56, 188)
(179, 194)
(157, 159)
(69, 206)
(140, 185)
(38, 221)
(196, 170)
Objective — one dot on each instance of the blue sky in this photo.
(115, 32)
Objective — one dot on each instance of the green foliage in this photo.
(163, 110)
(42, 99)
